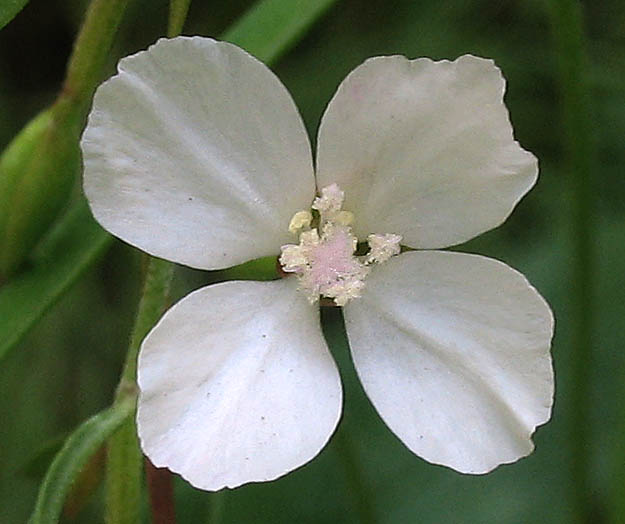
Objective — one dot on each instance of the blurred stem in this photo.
(178, 10)
(569, 40)
(270, 27)
(38, 170)
(161, 488)
(124, 458)
(265, 268)
(617, 513)
(158, 278)
(90, 53)
(333, 326)
(151, 305)
(359, 490)
(217, 503)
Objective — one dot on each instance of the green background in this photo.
(68, 367)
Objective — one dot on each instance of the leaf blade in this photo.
(9, 10)
(256, 31)
(66, 253)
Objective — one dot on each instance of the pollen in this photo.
(383, 247)
(325, 259)
(300, 220)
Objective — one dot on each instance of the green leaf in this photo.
(271, 27)
(9, 9)
(68, 250)
(38, 463)
(78, 448)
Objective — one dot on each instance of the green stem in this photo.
(256, 30)
(89, 56)
(39, 167)
(360, 492)
(151, 305)
(333, 325)
(178, 10)
(124, 458)
(569, 40)
(617, 509)
(217, 504)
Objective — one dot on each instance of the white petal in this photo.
(453, 351)
(424, 149)
(237, 385)
(195, 152)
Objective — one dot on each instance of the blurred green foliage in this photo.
(68, 367)
(8, 10)
(37, 171)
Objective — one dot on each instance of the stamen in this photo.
(300, 220)
(325, 263)
(330, 202)
(383, 247)
(345, 218)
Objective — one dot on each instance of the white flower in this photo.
(195, 152)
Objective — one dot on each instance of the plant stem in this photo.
(333, 325)
(161, 489)
(579, 144)
(217, 503)
(159, 480)
(151, 305)
(40, 165)
(359, 490)
(124, 458)
(256, 29)
(178, 10)
(89, 56)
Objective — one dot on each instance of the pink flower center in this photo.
(326, 264)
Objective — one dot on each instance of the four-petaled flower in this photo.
(195, 152)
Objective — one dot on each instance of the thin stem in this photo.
(569, 40)
(124, 458)
(161, 490)
(271, 27)
(158, 278)
(155, 291)
(360, 492)
(123, 475)
(89, 56)
(333, 325)
(45, 155)
(178, 10)
(617, 509)
(217, 504)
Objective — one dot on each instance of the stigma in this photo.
(325, 260)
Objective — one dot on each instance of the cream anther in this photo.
(330, 202)
(383, 247)
(300, 220)
(324, 260)
(345, 218)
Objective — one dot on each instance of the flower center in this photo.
(324, 260)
